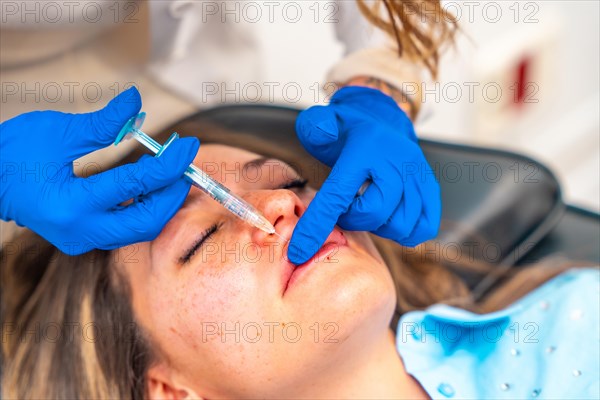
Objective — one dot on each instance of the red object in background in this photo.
(522, 81)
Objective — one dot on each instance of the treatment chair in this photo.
(498, 207)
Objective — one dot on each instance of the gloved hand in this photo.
(40, 190)
(364, 135)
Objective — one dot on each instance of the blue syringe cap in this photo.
(133, 123)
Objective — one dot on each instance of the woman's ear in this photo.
(162, 386)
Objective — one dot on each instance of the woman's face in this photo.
(231, 316)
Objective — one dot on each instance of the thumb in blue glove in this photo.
(40, 190)
(366, 137)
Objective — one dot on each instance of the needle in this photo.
(282, 238)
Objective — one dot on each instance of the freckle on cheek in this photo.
(184, 337)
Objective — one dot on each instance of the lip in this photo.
(292, 273)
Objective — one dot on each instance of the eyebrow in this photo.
(256, 163)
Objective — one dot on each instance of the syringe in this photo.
(199, 178)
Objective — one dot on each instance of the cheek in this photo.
(192, 324)
(364, 240)
(215, 292)
(209, 315)
(214, 296)
(306, 196)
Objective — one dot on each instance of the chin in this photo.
(356, 293)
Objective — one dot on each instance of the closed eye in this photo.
(198, 244)
(296, 183)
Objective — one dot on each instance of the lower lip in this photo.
(323, 256)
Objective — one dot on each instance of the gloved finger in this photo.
(429, 222)
(107, 189)
(376, 205)
(317, 126)
(317, 222)
(144, 219)
(317, 130)
(96, 130)
(405, 217)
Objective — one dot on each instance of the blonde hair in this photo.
(421, 28)
(68, 329)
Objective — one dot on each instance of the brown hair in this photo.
(420, 27)
(423, 278)
(68, 329)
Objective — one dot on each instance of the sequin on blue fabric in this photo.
(446, 389)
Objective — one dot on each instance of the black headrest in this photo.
(496, 205)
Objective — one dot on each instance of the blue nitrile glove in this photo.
(364, 135)
(40, 191)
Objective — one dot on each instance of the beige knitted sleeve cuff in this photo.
(382, 63)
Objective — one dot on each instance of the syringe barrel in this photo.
(146, 140)
(227, 199)
(199, 178)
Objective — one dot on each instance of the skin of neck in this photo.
(376, 372)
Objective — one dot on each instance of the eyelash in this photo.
(296, 183)
(190, 253)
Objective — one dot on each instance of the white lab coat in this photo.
(195, 42)
(200, 42)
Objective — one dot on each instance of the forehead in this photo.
(223, 163)
(241, 169)
(220, 153)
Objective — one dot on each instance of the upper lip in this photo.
(335, 237)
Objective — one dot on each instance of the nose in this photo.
(281, 207)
